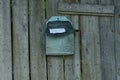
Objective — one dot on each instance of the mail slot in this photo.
(59, 28)
(59, 36)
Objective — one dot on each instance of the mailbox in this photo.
(59, 36)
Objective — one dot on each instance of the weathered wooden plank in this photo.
(51, 8)
(76, 60)
(72, 63)
(107, 48)
(117, 38)
(5, 41)
(90, 46)
(55, 64)
(107, 45)
(20, 39)
(69, 68)
(55, 68)
(86, 9)
(117, 46)
(37, 39)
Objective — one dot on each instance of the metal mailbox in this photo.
(59, 36)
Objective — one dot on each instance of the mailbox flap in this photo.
(59, 28)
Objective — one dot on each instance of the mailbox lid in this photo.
(57, 18)
(59, 23)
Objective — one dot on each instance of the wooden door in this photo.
(97, 40)
(97, 23)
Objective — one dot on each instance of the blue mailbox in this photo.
(59, 36)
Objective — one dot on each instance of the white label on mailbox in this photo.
(58, 30)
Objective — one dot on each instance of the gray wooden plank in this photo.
(55, 70)
(90, 46)
(107, 48)
(107, 45)
(5, 41)
(117, 47)
(76, 59)
(69, 68)
(72, 63)
(20, 39)
(51, 8)
(37, 39)
(86, 9)
(117, 38)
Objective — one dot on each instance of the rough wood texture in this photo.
(5, 41)
(106, 27)
(72, 63)
(99, 39)
(69, 68)
(55, 64)
(20, 39)
(51, 8)
(117, 38)
(76, 60)
(107, 48)
(117, 46)
(55, 68)
(37, 39)
(90, 46)
(86, 9)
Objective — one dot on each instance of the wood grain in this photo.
(86, 9)
(117, 38)
(72, 63)
(107, 45)
(55, 68)
(37, 40)
(77, 54)
(20, 39)
(90, 46)
(5, 41)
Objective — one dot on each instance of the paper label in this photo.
(57, 30)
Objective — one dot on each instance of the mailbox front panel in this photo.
(60, 46)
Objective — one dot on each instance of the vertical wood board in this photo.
(90, 45)
(20, 40)
(107, 48)
(90, 48)
(117, 47)
(5, 41)
(76, 59)
(117, 39)
(37, 39)
(55, 68)
(106, 26)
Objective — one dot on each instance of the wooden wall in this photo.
(97, 40)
